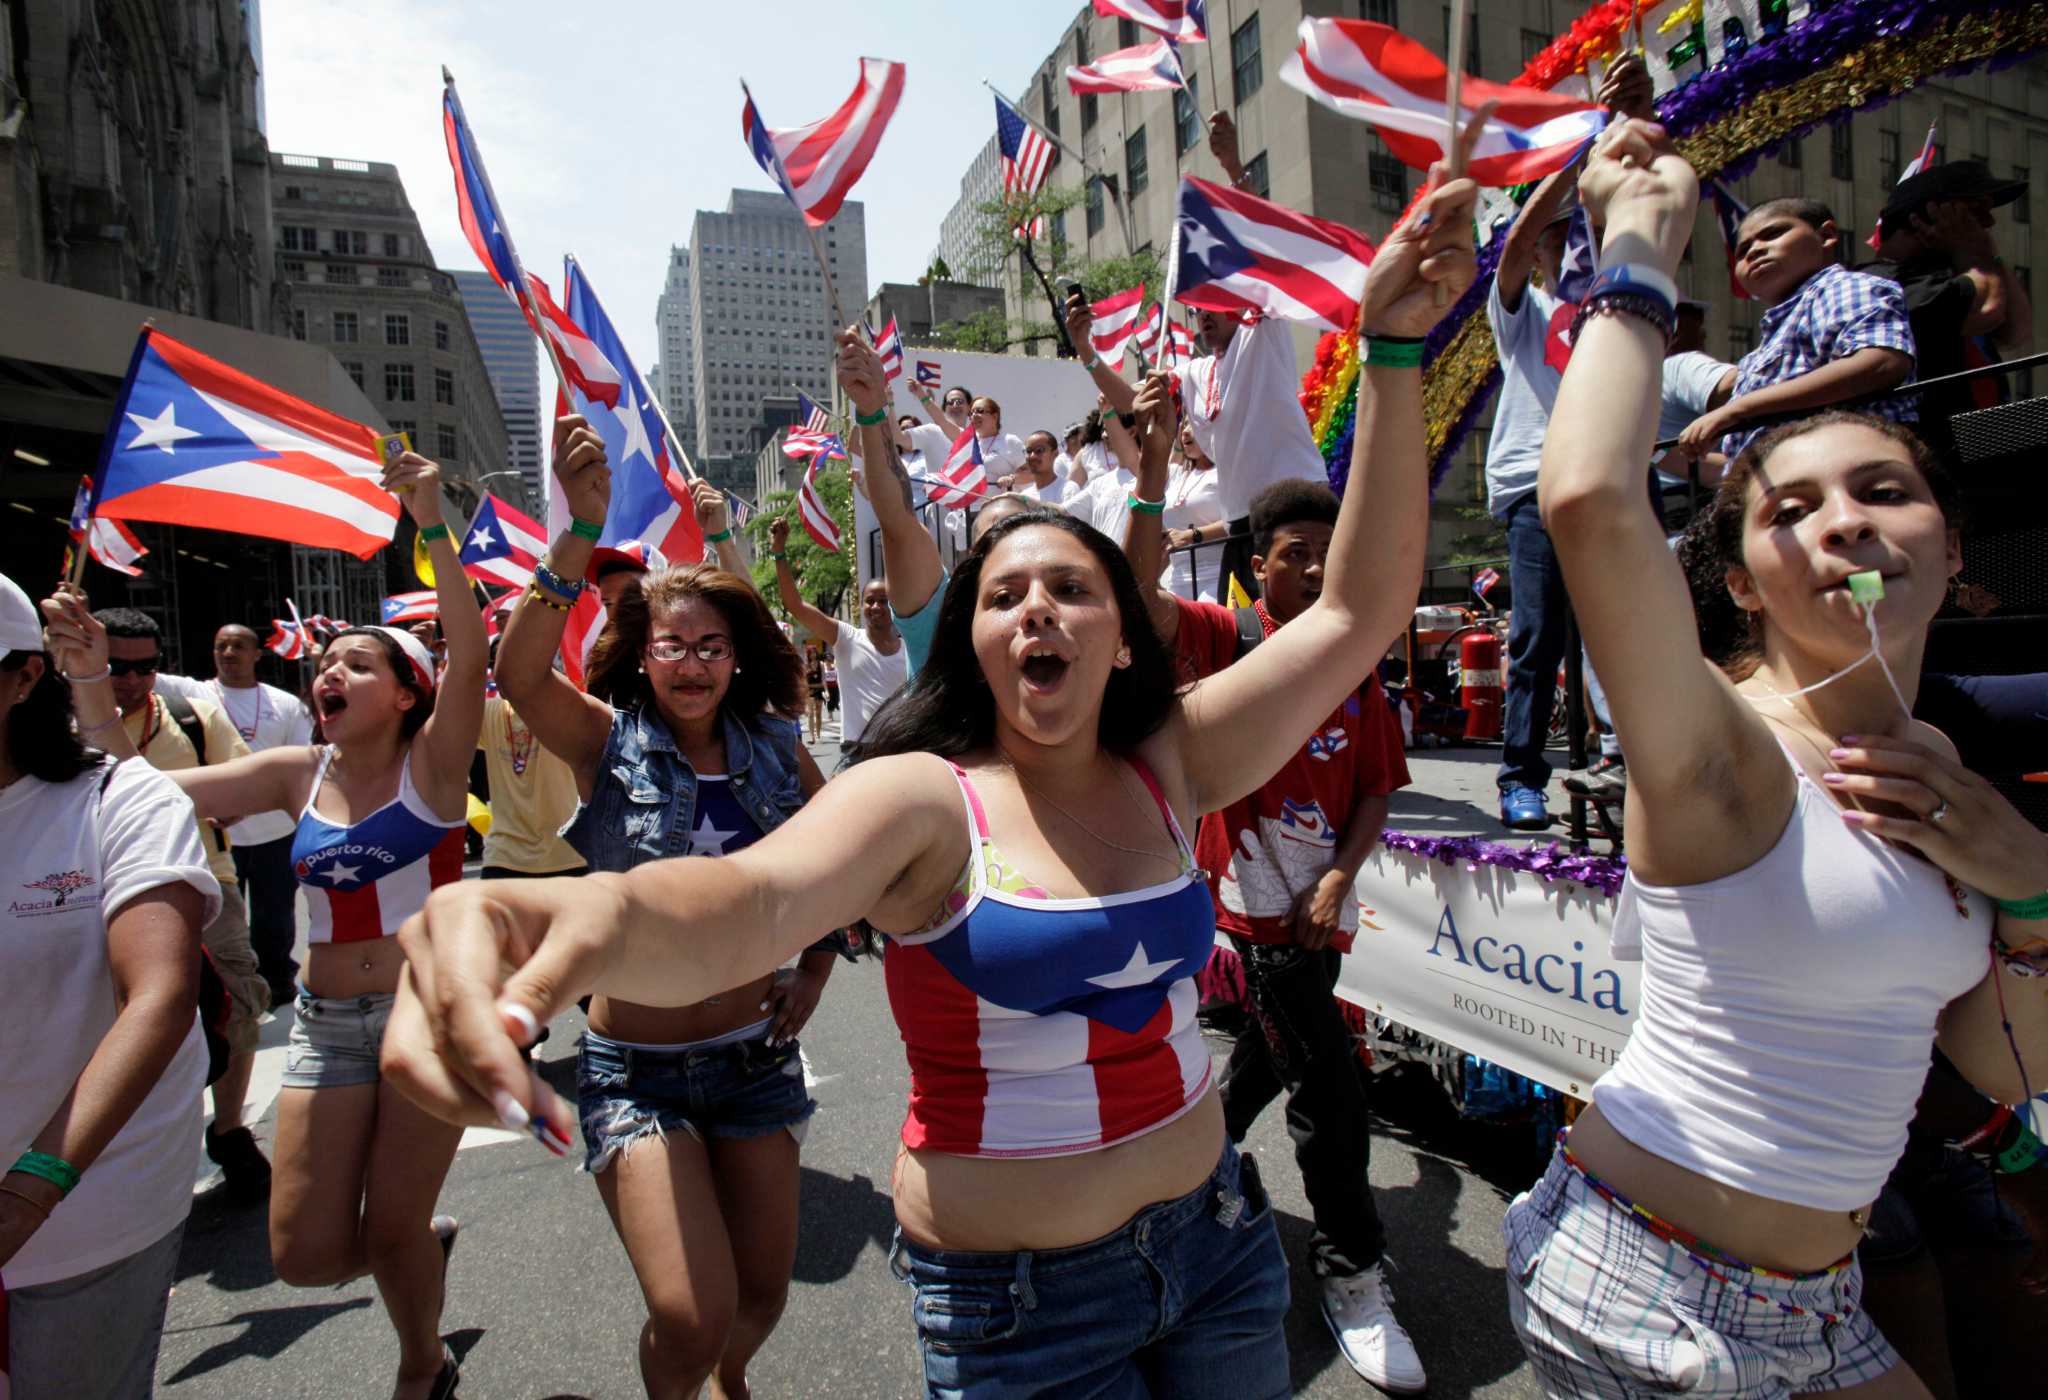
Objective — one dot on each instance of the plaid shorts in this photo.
(1607, 1308)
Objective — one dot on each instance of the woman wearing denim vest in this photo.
(686, 744)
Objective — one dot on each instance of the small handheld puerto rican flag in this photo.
(811, 510)
(930, 372)
(1729, 212)
(420, 606)
(110, 542)
(963, 480)
(889, 345)
(1484, 580)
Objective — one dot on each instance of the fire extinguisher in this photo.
(1479, 684)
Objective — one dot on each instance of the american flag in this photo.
(736, 505)
(814, 435)
(811, 510)
(1027, 157)
(889, 345)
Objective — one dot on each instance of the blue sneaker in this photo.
(1522, 808)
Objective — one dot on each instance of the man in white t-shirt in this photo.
(873, 662)
(266, 718)
(1039, 477)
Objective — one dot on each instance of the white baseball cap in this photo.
(21, 626)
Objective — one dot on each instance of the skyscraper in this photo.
(512, 359)
(674, 327)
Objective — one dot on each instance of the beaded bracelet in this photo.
(1141, 507)
(55, 1170)
(569, 589)
(880, 415)
(1394, 351)
(1636, 304)
(430, 533)
(533, 590)
(2035, 908)
(586, 530)
(720, 538)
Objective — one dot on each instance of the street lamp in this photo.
(523, 502)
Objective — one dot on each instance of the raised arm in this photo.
(1144, 537)
(572, 725)
(814, 620)
(883, 841)
(1239, 725)
(910, 556)
(1111, 385)
(714, 518)
(945, 421)
(446, 743)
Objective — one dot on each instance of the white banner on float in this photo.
(1500, 963)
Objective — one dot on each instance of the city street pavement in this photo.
(543, 1306)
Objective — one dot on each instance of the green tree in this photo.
(822, 577)
(1047, 265)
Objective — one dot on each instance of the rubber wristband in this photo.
(1139, 507)
(31, 1201)
(2035, 908)
(880, 415)
(431, 533)
(585, 529)
(720, 538)
(1393, 352)
(97, 676)
(2024, 1154)
(55, 1170)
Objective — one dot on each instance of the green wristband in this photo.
(584, 528)
(55, 1170)
(2023, 1154)
(432, 533)
(1393, 352)
(2035, 908)
(880, 415)
(720, 538)
(1141, 507)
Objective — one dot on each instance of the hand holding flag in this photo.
(1429, 250)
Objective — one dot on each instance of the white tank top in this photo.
(1787, 1011)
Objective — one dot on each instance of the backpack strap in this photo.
(1250, 631)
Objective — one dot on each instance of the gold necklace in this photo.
(1114, 846)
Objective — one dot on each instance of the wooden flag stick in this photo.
(1454, 80)
(1216, 93)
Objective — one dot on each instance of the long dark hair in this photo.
(414, 719)
(1730, 636)
(768, 674)
(40, 739)
(948, 709)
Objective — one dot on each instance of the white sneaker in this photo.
(1360, 1311)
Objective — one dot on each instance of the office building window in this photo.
(298, 323)
(1087, 111)
(353, 241)
(2022, 211)
(398, 385)
(1534, 41)
(1136, 176)
(1790, 156)
(1049, 102)
(440, 335)
(1471, 39)
(1255, 176)
(342, 275)
(391, 245)
(391, 277)
(1126, 33)
(1247, 70)
(446, 443)
(1094, 207)
(1381, 12)
(444, 386)
(1387, 177)
(347, 329)
(299, 239)
(1842, 151)
(1888, 158)
(354, 370)
(294, 270)
(1187, 117)
(397, 328)
(409, 428)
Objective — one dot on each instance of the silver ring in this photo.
(1940, 813)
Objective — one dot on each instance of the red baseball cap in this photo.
(637, 555)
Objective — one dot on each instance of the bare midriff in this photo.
(340, 971)
(1768, 1234)
(1004, 1204)
(679, 1025)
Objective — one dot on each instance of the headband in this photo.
(415, 651)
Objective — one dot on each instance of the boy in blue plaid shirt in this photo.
(1830, 334)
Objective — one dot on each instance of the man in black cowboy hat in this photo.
(1967, 306)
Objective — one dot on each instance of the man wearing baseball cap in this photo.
(1967, 307)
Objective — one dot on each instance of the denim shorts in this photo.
(740, 1089)
(1606, 1307)
(335, 1040)
(1188, 1299)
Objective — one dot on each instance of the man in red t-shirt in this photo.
(1281, 865)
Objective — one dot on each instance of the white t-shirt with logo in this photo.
(866, 678)
(68, 868)
(266, 718)
(1245, 410)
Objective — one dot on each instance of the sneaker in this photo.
(1360, 1311)
(242, 1164)
(1523, 808)
(1605, 781)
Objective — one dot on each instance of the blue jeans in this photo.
(1186, 1300)
(1536, 644)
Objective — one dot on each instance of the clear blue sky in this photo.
(606, 124)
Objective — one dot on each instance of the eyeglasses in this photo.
(981, 412)
(145, 667)
(711, 649)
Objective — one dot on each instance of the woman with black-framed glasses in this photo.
(686, 743)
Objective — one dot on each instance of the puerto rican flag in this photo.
(814, 436)
(1729, 212)
(288, 636)
(650, 493)
(593, 374)
(1930, 154)
(1483, 582)
(1153, 67)
(1113, 323)
(962, 480)
(889, 345)
(817, 165)
(1185, 20)
(930, 372)
(194, 442)
(1378, 75)
(503, 545)
(108, 541)
(402, 608)
(811, 510)
(1233, 251)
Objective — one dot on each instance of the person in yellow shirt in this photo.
(165, 732)
(533, 794)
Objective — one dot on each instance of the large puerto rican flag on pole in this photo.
(503, 545)
(650, 493)
(1379, 75)
(1185, 20)
(962, 480)
(817, 165)
(194, 442)
(1113, 322)
(1153, 67)
(1233, 251)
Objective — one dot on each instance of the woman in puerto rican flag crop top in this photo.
(1071, 1217)
(381, 807)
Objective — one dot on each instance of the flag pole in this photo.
(519, 294)
(1216, 88)
(1454, 78)
(810, 230)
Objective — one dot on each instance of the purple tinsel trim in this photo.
(1552, 862)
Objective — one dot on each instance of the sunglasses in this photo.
(147, 666)
(709, 650)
